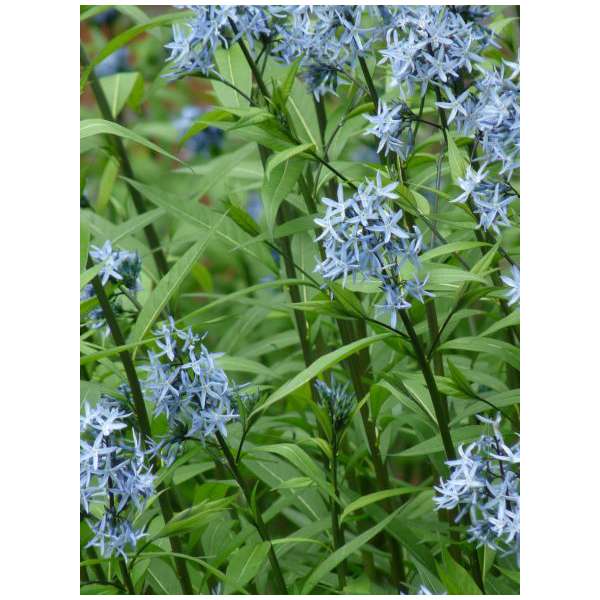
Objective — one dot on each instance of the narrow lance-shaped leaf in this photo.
(320, 365)
(123, 38)
(122, 88)
(333, 560)
(377, 497)
(107, 183)
(279, 157)
(276, 187)
(246, 563)
(166, 288)
(90, 127)
(457, 161)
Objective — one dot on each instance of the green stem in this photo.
(440, 413)
(418, 119)
(142, 419)
(369, 81)
(230, 85)
(253, 66)
(138, 201)
(357, 375)
(337, 529)
(126, 577)
(258, 521)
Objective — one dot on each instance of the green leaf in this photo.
(244, 365)
(192, 212)
(88, 275)
(511, 320)
(421, 203)
(497, 400)
(458, 162)
(377, 497)
(90, 127)
(298, 225)
(276, 187)
(286, 87)
(234, 68)
(467, 433)
(126, 36)
(488, 560)
(305, 131)
(269, 134)
(301, 460)
(135, 224)
(413, 201)
(361, 109)
(98, 589)
(244, 292)
(194, 517)
(450, 248)
(88, 13)
(258, 118)
(96, 356)
(216, 168)
(456, 579)
(243, 220)
(483, 264)
(107, 182)
(295, 483)
(316, 368)
(279, 157)
(206, 120)
(498, 25)
(414, 400)
(497, 348)
(137, 15)
(347, 299)
(167, 286)
(333, 560)
(121, 88)
(449, 276)
(246, 563)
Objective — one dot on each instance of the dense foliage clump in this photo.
(300, 293)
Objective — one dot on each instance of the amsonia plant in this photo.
(299, 285)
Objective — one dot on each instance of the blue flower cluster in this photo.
(430, 45)
(492, 115)
(490, 199)
(326, 39)
(115, 476)
(392, 128)
(186, 385)
(119, 266)
(485, 482)
(207, 142)
(338, 400)
(437, 46)
(195, 43)
(362, 235)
